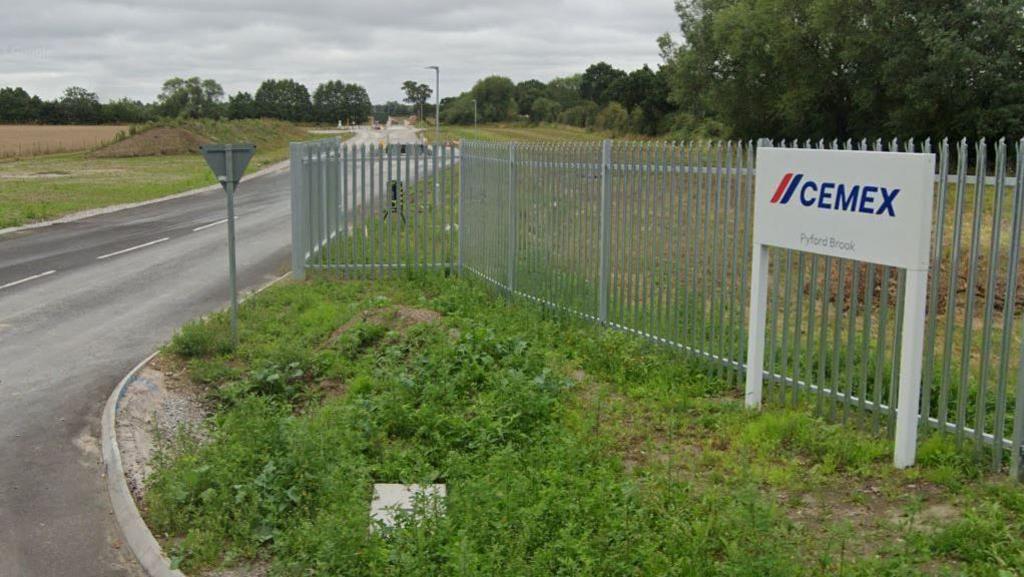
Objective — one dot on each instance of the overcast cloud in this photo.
(128, 48)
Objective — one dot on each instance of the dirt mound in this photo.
(155, 142)
(399, 318)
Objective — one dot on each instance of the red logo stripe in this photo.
(782, 187)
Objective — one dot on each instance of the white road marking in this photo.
(136, 247)
(24, 280)
(208, 225)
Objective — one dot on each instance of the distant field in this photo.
(32, 140)
(519, 133)
(48, 187)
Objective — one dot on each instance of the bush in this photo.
(613, 118)
(202, 339)
(581, 115)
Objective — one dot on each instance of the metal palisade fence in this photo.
(364, 211)
(654, 239)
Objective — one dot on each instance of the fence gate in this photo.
(364, 211)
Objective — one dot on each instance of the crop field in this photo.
(20, 140)
(48, 187)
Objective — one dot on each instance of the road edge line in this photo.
(84, 214)
(136, 533)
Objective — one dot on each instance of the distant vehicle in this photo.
(408, 148)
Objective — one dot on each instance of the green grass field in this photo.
(516, 132)
(48, 187)
(567, 450)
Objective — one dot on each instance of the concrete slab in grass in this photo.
(391, 499)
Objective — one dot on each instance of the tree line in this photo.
(795, 69)
(285, 99)
(602, 97)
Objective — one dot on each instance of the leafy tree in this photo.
(417, 94)
(495, 97)
(126, 110)
(645, 94)
(545, 110)
(526, 93)
(242, 105)
(837, 69)
(582, 114)
(597, 80)
(193, 98)
(390, 108)
(79, 106)
(283, 99)
(458, 110)
(566, 91)
(18, 106)
(336, 100)
(614, 117)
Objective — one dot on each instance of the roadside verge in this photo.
(136, 533)
(276, 167)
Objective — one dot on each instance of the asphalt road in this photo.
(81, 303)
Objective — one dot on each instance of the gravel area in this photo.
(154, 407)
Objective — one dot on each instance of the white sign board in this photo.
(873, 207)
(867, 206)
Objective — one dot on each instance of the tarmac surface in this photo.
(83, 302)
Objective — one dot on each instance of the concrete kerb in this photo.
(136, 533)
(119, 207)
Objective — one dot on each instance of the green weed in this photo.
(567, 450)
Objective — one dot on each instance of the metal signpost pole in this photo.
(222, 160)
(229, 186)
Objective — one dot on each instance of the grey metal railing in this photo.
(654, 238)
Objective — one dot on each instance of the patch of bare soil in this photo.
(155, 406)
(154, 142)
(876, 515)
(397, 318)
(254, 570)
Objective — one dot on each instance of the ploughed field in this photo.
(32, 140)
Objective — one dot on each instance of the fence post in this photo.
(606, 228)
(298, 214)
(511, 218)
(462, 180)
(1017, 444)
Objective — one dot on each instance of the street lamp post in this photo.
(437, 103)
(437, 123)
(474, 118)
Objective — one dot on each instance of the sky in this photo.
(129, 47)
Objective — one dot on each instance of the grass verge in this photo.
(507, 132)
(567, 450)
(47, 187)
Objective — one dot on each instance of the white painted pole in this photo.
(911, 351)
(758, 316)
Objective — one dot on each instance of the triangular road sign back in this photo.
(216, 158)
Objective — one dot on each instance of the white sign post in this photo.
(867, 206)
